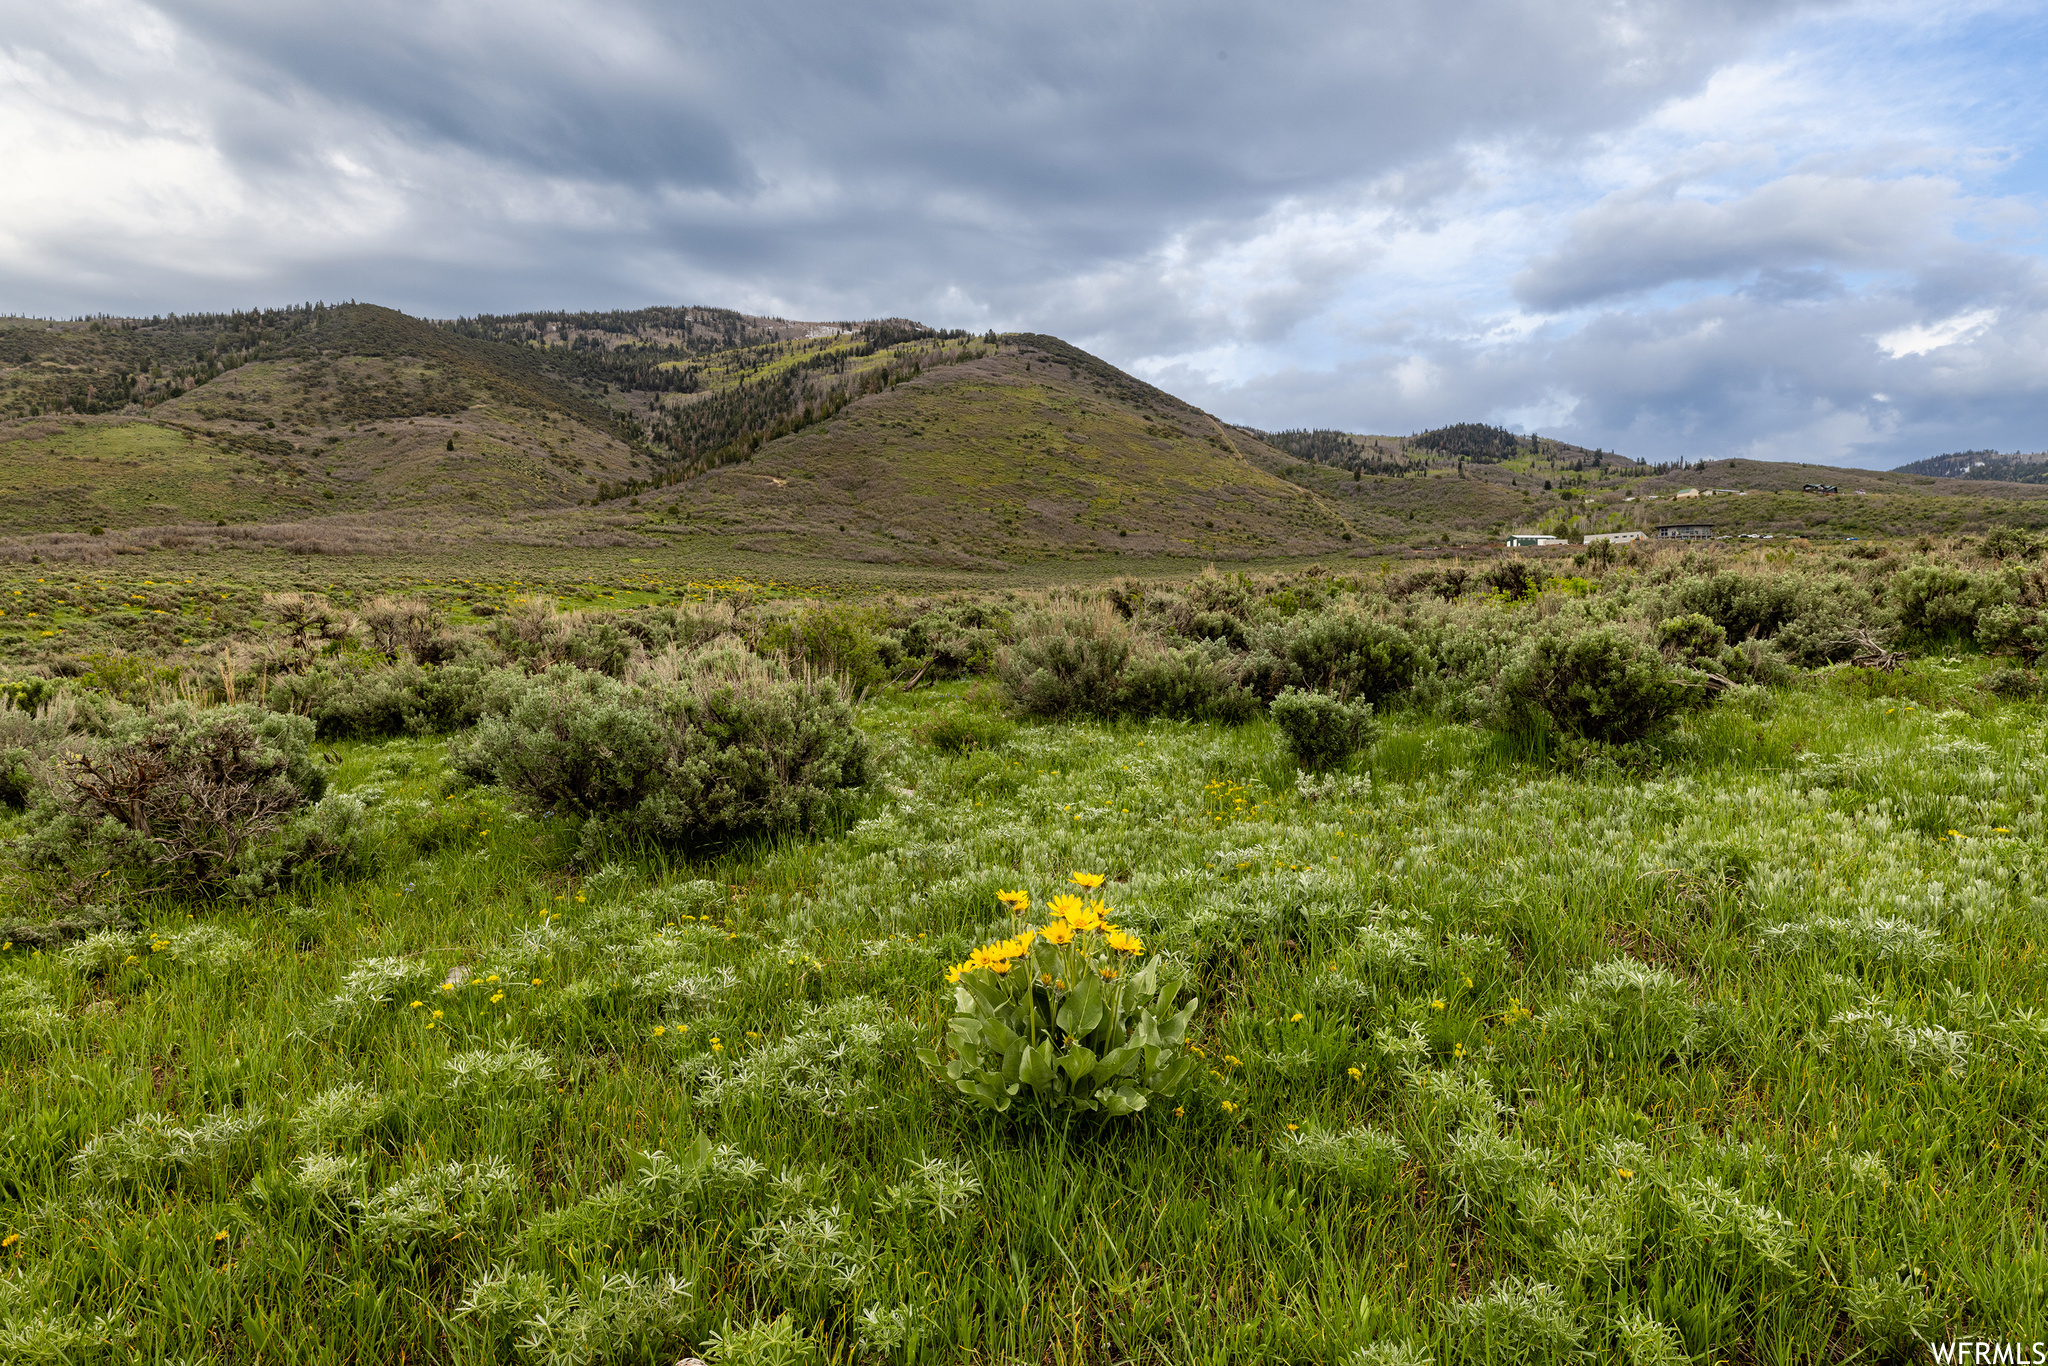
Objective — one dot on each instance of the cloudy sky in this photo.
(1700, 228)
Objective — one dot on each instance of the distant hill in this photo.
(705, 431)
(2014, 469)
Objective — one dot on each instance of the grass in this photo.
(1742, 1047)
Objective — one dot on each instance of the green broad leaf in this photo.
(998, 1035)
(1174, 1028)
(697, 1155)
(1175, 1075)
(1077, 1063)
(1035, 1070)
(1120, 1100)
(1117, 1062)
(1013, 1063)
(1082, 1010)
(995, 1097)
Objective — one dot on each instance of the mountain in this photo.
(713, 433)
(878, 441)
(2015, 468)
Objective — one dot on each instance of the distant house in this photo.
(1821, 488)
(1614, 537)
(1686, 493)
(1521, 539)
(1687, 531)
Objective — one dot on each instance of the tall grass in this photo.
(1729, 1053)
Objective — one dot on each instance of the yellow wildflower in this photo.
(1058, 932)
(1356, 1075)
(660, 1030)
(1229, 1107)
(1295, 1018)
(1089, 880)
(1125, 942)
(1018, 901)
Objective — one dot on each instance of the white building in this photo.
(1616, 537)
(1523, 539)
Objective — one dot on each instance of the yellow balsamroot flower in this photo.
(1124, 942)
(1018, 901)
(953, 974)
(1067, 906)
(1058, 933)
(1089, 880)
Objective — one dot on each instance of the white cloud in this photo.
(1920, 338)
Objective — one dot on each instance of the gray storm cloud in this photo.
(1303, 215)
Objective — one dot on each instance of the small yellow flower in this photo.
(1292, 1128)
(492, 978)
(660, 1030)
(1178, 1111)
(437, 1014)
(752, 1034)
(536, 981)
(1230, 1061)
(497, 997)
(1089, 880)
(1018, 901)
(1296, 1018)
(1229, 1108)
(10, 1240)
(1356, 1075)
(1436, 1005)
(414, 1006)
(1624, 1173)
(221, 1237)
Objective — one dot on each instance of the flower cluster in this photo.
(1071, 916)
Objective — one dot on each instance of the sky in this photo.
(1779, 229)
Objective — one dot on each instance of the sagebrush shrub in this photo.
(402, 699)
(1940, 603)
(180, 799)
(1321, 731)
(713, 744)
(1600, 683)
(1068, 663)
(1349, 654)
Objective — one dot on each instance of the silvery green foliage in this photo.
(442, 1202)
(664, 1189)
(211, 950)
(884, 1330)
(1312, 788)
(1453, 1098)
(1484, 1168)
(150, 1151)
(498, 1076)
(375, 983)
(29, 1017)
(1730, 1227)
(1360, 1158)
(340, 1116)
(812, 1248)
(1647, 1342)
(1871, 1031)
(1626, 1008)
(1866, 937)
(828, 1065)
(332, 1178)
(1391, 1352)
(1587, 1231)
(763, 1342)
(615, 1318)
(102, 952)
(936, 1188)
(49, 1335)
(1889, 1311)
(1519, 1320)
